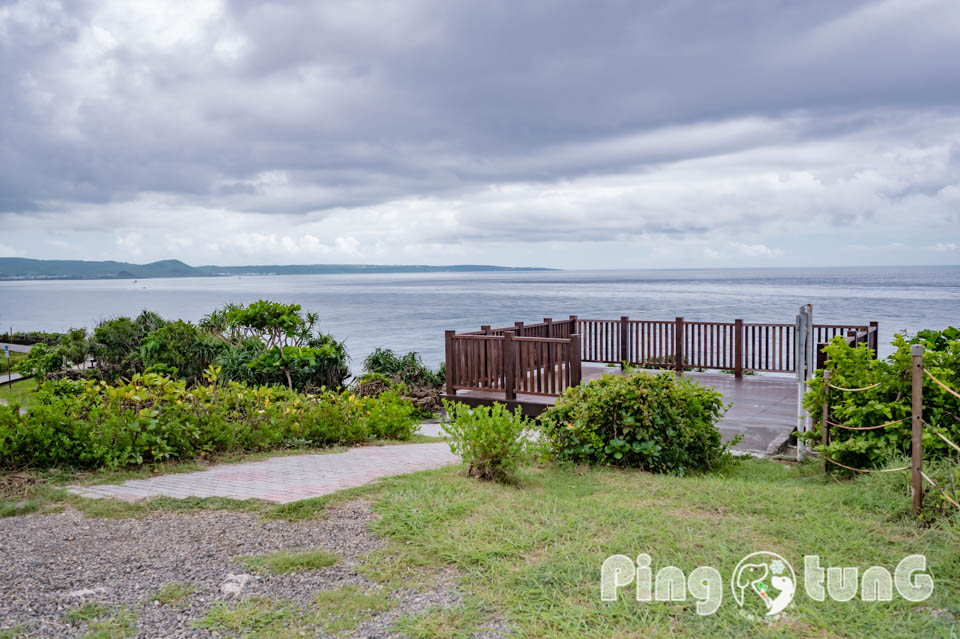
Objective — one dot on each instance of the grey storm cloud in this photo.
(302, 108)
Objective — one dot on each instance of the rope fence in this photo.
(916, 418)
(855, 390)
(878, 426)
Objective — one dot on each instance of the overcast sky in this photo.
(608, 134)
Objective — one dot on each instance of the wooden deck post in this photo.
(738, 348)
(873, 337)
(549, 322)
(509, 369)
(576, 367)
(449, 368)
(486, 329)
(824, 416)
(519, 329)
(624, 340)
(678, 348)
(916, 443)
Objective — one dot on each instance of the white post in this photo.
(802, 352)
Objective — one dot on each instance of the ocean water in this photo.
(411, 311)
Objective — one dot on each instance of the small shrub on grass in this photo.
(491, 439)
(653, 422)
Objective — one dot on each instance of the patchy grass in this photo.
(344, 608)
(87, 612)
(17, 632)
(103, 622)
(20, 392)
(255, 616)
(531, 555)
(286, 561)
(172, 594)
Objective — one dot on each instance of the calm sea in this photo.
(410, 311)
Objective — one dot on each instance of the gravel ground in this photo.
(51, 564)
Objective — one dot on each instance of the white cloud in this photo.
(944, 247)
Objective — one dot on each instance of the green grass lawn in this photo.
(530, 556)
(20, 391)
(11, 362)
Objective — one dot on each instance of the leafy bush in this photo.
(151, 418)
(654, 422)
(180, 349)
(40, 361)
(273, 343)
(491, 439)
(856, 368)
(408, 368)
(115, 343)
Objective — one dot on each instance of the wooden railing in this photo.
(544, 358)
(499, 360)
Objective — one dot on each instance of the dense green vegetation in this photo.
(384, 369)
(30, 337)
(151, 419)
(263, 343)
(653, 422)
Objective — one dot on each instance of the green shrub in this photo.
(407, 368)
(40, 361)
(179, 349)
(492, 440)
(88, 424)
(115, 343)
(654, 422)
(856, 368)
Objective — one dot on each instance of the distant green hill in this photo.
(331, 269)
(16, 268)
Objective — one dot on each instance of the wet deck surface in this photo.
(764, 408)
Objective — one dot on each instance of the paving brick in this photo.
(284, 479)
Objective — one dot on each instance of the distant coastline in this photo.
(16, 268)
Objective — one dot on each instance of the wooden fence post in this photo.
(549, 322)
(576, 368)
(449, 368)
(486, 329)
(916, 444)
(509, 370)
(519, 328)
(824, 427)
(873, 337)
(624, 340)
(678, 349)
(738, 348)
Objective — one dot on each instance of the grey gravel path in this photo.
(52, 564)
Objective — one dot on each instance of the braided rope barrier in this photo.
(942, 492)
(861, 470)
(941, 384)
(937, 432)
(854, 390)
(836, 425)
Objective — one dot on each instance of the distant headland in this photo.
(17, 268)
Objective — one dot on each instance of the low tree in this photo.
(278, 343)
(41, 361)
(75, 346)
